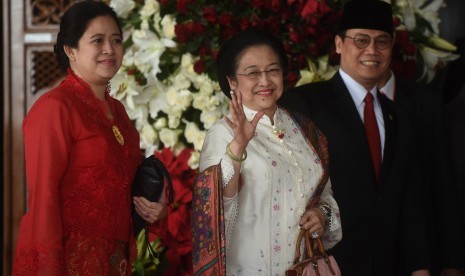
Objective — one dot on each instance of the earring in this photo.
(232, 92)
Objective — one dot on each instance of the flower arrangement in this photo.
(168, 83)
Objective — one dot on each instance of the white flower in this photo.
(124, 87)
(149, 48)
(174, 119)
(148, 135)
(122, 7)
(167, 24)
(430, 13)
(194, 160)
(187, 63)
(433, 58)
(208, 118)
(169, 137)
(139, 114)
(323, 71)
(194, 135)
(442, 44)
(205, 85)
(160, 123)
(180, 99)
(150, 7)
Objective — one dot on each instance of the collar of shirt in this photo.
(357, 91)
(249, 114)
(388, 88)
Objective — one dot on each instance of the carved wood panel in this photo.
(30, 69)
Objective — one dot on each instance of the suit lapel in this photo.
(347, 110)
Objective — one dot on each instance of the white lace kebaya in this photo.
(278, 179)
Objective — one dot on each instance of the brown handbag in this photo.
(314, 261)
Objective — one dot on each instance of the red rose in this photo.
(410, 49)
(209, 13)
(292, 78)
(199, 66)
(197, 28)
(402, 37)
(181, 6)
(226, 19)
(204, 50)
(215, 53)
(310, 8)
(312, 49)
(272, 25)
(243, 23)
(259, 4)
(181, 33)
(310, 31)
(276, 6)
(294, 36)
(228, 32)
(396, 21)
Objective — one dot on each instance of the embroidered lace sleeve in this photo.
(334, 230)
(47, 149)
(227, 169)
(231, 205)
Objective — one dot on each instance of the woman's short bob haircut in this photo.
(74, 23)
(231, 52)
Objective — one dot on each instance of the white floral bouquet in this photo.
(167, 80)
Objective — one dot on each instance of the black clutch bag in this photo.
(150, 177)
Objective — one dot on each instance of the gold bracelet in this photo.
(234, 157)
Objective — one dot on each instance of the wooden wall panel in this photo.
(29, 33)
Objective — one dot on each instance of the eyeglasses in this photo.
(363, 40)
(255, 75)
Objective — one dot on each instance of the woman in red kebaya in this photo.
(81, 153)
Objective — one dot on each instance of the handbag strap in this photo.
(166, 177)
(153, 255)
(308, 253)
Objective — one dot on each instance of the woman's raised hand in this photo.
(243, 129)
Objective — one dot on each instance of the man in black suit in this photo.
(455, 133)
(437, 187)
(370, 145)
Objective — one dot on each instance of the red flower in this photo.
(179, 237)
(199, 66)
(226, 19)
(181, 33)
(292, 78)
(410, 49)
(181, 6)
(243, 23)
(311, 7)
(276, 6)
(402, 37)
(209, 13)
(260, 4)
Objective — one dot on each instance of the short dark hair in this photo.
(74, 23)
(230, 53)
